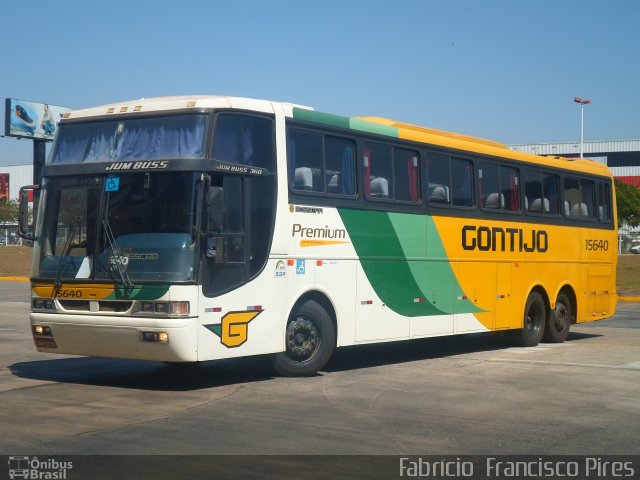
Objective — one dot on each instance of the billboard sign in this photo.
(31, 119)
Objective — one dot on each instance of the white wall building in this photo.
(621, 156)
(19, 176)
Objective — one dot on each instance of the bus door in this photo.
(598, 289)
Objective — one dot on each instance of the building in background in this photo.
(12, 177)
(621, 156)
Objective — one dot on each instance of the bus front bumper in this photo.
(165, 340)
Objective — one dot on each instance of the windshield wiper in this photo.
(115, 261)
(65, 251)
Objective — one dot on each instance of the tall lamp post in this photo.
(582, 102)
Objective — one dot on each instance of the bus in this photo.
(189, 229)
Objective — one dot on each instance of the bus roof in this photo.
(457, 141)
(164, 104)
(371, 124)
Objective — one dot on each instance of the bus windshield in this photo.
(127, 228)
(166, 137)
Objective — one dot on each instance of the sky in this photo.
(498, 69)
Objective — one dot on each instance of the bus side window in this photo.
(489, 185)
(573, 205)
(215, 217)
(604, 202)
(439, 179)
(406, 175)
(340, 166)
(378, 168)
(587, 190)
(462, 182)
(305, 161)
(225, 229)
(551, 191)
(533, 191)
(510, 188)
(225, 265)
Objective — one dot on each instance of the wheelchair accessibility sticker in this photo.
(300, 267)
(112, 184)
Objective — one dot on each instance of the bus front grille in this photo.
(99, 306)
(76, 305)
(118, 307)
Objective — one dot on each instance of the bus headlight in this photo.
(42, 304)
(42, 330)
(147, 307)
(157, 337)
(178, 309)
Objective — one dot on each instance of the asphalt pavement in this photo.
(472, 394)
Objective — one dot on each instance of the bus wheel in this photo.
(559, 321)
(310, 339)
(535, 317)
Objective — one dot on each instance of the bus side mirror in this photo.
(26, 214)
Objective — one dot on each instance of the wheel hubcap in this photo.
(303, 339)
(533, 321)
(561, 316)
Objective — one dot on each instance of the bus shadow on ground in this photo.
(157, 376)
(375, 355)
(146, 375)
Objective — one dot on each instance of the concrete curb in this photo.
(629, 298)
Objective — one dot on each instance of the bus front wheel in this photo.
(535, 318)
(310, 339)
(559, 322)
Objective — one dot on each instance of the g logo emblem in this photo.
(234, 329)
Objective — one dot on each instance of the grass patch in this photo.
(629, 275)
(15, 261)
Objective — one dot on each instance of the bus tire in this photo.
(559, 321)
(309, 341)
(535, 318)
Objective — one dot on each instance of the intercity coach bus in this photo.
(187, 229)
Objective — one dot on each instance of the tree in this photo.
(9, 212)
(628, 201)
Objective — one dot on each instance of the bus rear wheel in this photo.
(310, 339)
(535, 318)
(559, 321)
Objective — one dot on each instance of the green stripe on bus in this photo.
(364, 126)
(429, 262)
(401, 266)
(344, 122)
(384, 263)
(139, 292)
(319, 117)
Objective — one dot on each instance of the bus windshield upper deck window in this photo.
(244, 139)
(129, 139)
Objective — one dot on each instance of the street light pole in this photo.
(582, 103)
